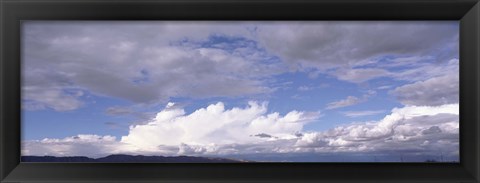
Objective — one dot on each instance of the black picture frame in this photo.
(12, 12)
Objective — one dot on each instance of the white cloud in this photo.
(385, 87)
(217, 125)
(387, 125)
(213, 129)
(80, 145)
(404, 130)
(362, 113)
(216, 131)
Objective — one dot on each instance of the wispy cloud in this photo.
(360, 75)
(362, 113)
(310, 87)
(350, 100)
(304, 88)
(117, 110)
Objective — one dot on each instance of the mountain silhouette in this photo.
(121, 158)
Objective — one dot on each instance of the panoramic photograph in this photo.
(240, 91)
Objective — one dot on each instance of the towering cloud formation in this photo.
(216, 125)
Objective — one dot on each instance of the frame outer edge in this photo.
(475, 16)
(470, 38)
(475, 9)
(8, 142)
(477, 27)
(2, 176)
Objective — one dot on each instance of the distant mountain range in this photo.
(121, 158)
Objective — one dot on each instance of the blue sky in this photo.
(311, 86)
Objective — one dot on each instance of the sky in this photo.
(264, 91)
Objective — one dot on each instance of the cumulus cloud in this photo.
(389, 123)
(217, 125)
(432, 92)
(215, 130)
(80, 145)
(87, 145)
(413, 129)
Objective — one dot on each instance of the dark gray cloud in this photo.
(431, 92)
(38, 98)
(432, 130)
(136, 62)
(355, 51)
(142, 61)
(263, 135)
(333, 44)
(116, 110)
(149, 62)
